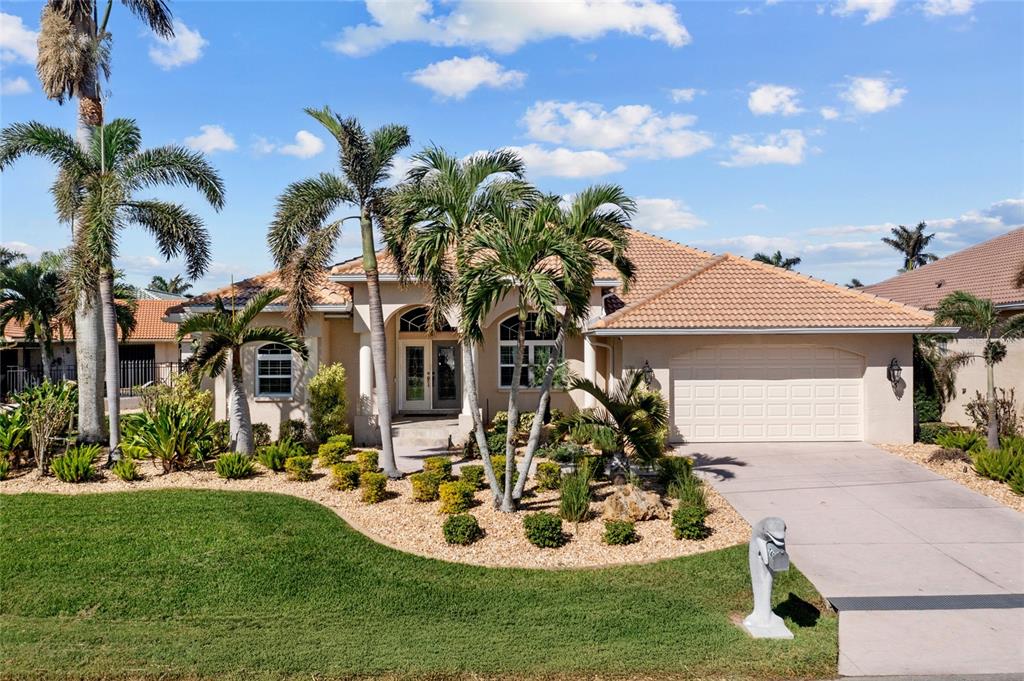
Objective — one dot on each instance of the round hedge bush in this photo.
(544, 530)
(461, 529)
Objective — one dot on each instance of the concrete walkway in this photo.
(865, 523)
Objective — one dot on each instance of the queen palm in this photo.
(30, 295)
(980, 316)
(97, 189)
(302, 235)
(176, 285)
(776, 259)
(224, 334)
(911, 243)
(9, 257)
(518, 255)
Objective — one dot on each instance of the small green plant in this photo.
(260, 435)
(964, 440)
(1014, 443)
(544, 530)
(498, 463)
(274, 456)
(294, 430)
(997, 464)
(334, 450)
(328, 402)
(374, 487)
(620, 532)
(367, 460)
(461, 529)
(233, 465)
(425, 485)
(5, 467)
(440, 464)
(574, 504)
(75, 465)
(456, 497)
(928, 433)
(567, 452)
(473, 475)
(673, 468)
(126, 469)
(688, 522)
(549, 475)
(299, 468)
(1016, 482)
(345, 476)
(690, 492)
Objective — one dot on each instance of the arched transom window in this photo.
(540, 345)
(415, 320)
(273, 370)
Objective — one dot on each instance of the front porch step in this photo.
(432, 432)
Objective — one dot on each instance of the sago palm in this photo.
(30, 295)
(224, 333)
(303, 234)
(778, 260)
(981, 317)
(911, 243)
(97, 189)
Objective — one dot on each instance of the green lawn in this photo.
(243, 585)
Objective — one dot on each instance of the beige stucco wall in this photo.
(887, 418)
(972, 379)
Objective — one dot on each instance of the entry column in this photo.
(365, 425)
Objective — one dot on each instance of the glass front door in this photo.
(431, 375)
(414, 369)
(447, 389)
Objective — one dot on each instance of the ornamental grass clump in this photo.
(275, 455)
(374, 487)
(345, 476)
(688, 520)
(619, 533)
(461, 529)
(425, 485)
(964, 440)
(544, 530)
(574, 504)
(299, 468)
(334, 450)
(439, 464)
(126, 469)
(549, 476)
(75, 465)
(233, 465)
(473, 475)
(367, 460)
(456, 497)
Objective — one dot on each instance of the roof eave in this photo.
(716, 331)
(192, 309)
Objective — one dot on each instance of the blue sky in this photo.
(810, 127)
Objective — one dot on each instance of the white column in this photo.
(365, 375)
(589, 368)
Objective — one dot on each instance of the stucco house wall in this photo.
(972, 378)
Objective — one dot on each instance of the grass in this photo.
(201, 584)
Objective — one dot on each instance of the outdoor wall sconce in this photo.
(648, 373)
(893, 373)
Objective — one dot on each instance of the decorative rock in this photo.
(627, 502)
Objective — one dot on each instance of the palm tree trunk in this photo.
(378, 348)
(113, 368)
(993, 417)
(478, 424)
(240, 423)
(507, 504)
(46, 347)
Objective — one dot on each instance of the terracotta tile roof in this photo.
(730, 292)
(328, 292)
(385, 265)
(658, 263)
(149, 323)
(986, 270)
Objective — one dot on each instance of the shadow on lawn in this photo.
(802, 613)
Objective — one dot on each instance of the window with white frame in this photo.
(273, 370)
(540, 345)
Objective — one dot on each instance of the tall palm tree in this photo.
(777, 260)
(980, 316)
(9, 257)
(855, 283)
(911, 243)
(97, 188)
(224, 334)
(302, 235)
(30, 294)
(517, 254)
(74, 47)
(176, 285)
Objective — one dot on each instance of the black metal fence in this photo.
(135, 374)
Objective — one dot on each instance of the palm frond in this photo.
(174, 166)
(304, 207)
(304, 271)
(211, 357)
(43, 141)
(154, 13)
(254, 307)
(276, 334)
(967, 311)
(1013, 328)
(121, 139)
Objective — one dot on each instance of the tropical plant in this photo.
(49, 409)
(175, 435)
(302, 237)
(275, 455)
(998, 464)
(75, 465)
(225, 333)
(328, 402)
(855, 283)
(30, 295)
(1018, 279)
(14, 434)
(126, 469)
(96, 187)
(911, 243)
(576, 494)
(776, 259)
(232, 466)
(962, 440)
(9, 257)
(935, 369)
(5, 467)
(176, 285)
(981, 317)
(182, 389)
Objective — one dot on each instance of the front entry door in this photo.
(447, 388)
(415, 394)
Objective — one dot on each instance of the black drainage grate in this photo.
(955, 602)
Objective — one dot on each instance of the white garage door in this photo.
(762, 393)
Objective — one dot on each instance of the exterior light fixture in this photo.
(648, 373)
(894, 372)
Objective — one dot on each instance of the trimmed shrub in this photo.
(75, 465)
(126, 469)
(498, 463)
(688, 522)
(294, 430)
(544, 530)
(274, 456)
(425, 485)
(456, 497)
(928, 433)
(327, 402)
(299, 468)
(461, 529)
(260, 435)
(440, 464)
(374, 487)
(620, 532)
(232, 465)
(367, 460)
(496, 442)
(964, 440)
(334, 450)
(345, 476)
(5, 467)
(473, 475)
(574, 505)
(997, 464)
(549, 475)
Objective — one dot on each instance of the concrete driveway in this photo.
(928, 576)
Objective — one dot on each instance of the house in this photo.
(150, 353)
(742, 351)
(987, 270)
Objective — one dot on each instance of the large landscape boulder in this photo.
(630, 503)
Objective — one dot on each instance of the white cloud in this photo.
(185, 47)
(634, 130)
(563, 162)
(945, 8)
(457, 77)
(210, 139)
(399, 167)
(662, 214)
(507, 26)
(1009, 211)
(14, 86)
(786, 147)
(774, 99)
(306, 145)
(261, 146)
(17, 41)
(760, 207)
(684, 94)
(871, 95)
(28, 250)
(874, 10)
(829, 113)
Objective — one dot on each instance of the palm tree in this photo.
(776, 259)
(176, 285)
(74, 48)
(855, 283)
(96, 188)
(30, 294)
(981, 317)
(518, 254)
(912, 244)
(224, 334)
(302, 238)
(9, 257)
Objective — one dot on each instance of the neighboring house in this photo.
(150, 353)
(987, 270)
(742, 351)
